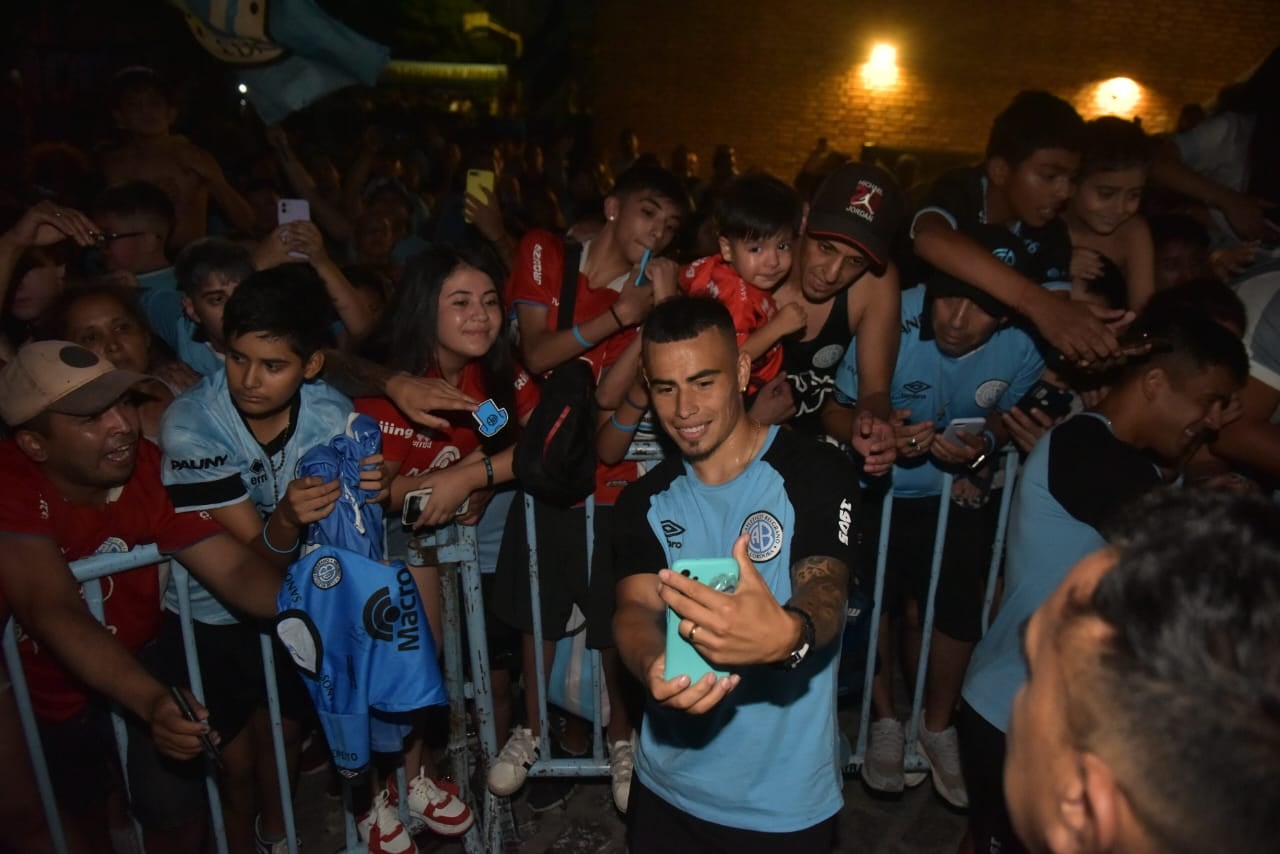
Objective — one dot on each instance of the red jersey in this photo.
(421, 449)
(537, 274)
(750, 307)
(136, 514)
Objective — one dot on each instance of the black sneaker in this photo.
(547, 793)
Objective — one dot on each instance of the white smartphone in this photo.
(972, 426)
(416, 501)
(293, 210)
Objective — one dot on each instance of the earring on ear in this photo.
(611, 219)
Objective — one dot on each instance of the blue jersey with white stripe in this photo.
(766, 757)
(941, 388)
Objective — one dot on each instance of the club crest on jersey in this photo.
(865, 201)
(326, 573)
(764, 535)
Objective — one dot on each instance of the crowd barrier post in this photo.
(873, 640)
(182, 583)
(1002, 529)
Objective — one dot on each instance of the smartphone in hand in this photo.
(478, 180)
(683, 658)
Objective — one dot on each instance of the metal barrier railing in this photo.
(454, 550)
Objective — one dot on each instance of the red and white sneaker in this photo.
(436, 804)
(381, 828)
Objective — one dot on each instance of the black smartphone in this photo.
(210, 749)
(1048, 398)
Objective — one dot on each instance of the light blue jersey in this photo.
(766, 758)
(163, 309)
(211, 459)
(935, 386)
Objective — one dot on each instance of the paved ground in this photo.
(917, 823)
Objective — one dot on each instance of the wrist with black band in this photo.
(808, 637)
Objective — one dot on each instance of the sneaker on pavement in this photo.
(547, 793)
(512, 765)
(621, 763)
(882, 766)
(381, 828)
(942, 750)
(262, 845)
(434, 804)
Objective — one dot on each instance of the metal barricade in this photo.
(88, 572)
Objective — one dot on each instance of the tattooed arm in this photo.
(818, 587)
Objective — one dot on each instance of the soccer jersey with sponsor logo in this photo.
(537, 275)
(766, 758)
(961, 197)
(212, 459)
(941, 388)
(356, 629)
(1077, 478)
(136, 514)
(421, 449)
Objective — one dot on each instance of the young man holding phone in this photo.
(958, 367)
(745, 762)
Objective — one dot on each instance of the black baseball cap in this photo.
(1005, 246)
(859, 204)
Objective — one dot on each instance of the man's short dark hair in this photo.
(685, 318)
(202, 258)
(1186, 341)
(137, 78)
(1035, 120)
(654, 179)
(137, 199)
(1204, 295)
(1178, 228)
(1112, 144)
(288, 301)
(757, 205)
(1185, 692)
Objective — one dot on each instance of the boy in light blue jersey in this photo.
(232, 446)
(957, 358)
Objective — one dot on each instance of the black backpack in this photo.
(555, 456)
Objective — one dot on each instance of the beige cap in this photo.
(60, 377)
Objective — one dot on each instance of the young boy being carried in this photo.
(758, 217)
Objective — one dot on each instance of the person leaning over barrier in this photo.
(747, 762)
(80, 480)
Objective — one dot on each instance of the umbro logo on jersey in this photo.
(672, 531)
(917, 386)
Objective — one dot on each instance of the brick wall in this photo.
(772, 77)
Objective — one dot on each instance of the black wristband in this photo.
(488, 471)
(808, 637)
(621, 325)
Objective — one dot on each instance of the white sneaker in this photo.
(942, 750)
(512, 765)
(436, 805)
(621, 764)
(381, 828)
(882, 766)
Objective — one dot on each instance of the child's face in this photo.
(1105, 200)
(144, 111)
(644, 220)
(1178, 262)
(205, 309)
(1038, 187)
(470, 314)
(763, 262)
(263, 373)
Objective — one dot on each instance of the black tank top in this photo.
(811, 365)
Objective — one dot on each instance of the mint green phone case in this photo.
(683, 659)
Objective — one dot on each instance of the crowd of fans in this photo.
(1104, 301)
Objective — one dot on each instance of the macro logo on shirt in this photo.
(672, 530)
(327, 573)
(989, 393)
(764, 535)
(387, 618)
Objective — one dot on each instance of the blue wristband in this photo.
(623, 427)
(584, 342)
(267, 541)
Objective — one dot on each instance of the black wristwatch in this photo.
(807, 636)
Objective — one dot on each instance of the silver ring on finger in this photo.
(692, 632)
(914, 444)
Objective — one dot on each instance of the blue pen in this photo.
(644, 262)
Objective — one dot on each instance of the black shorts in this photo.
(84, 765)
(562, 572)
(232, 672)
(656, 827)
(966, 560)
(982, 752)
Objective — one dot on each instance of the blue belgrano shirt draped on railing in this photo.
(455, 550)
